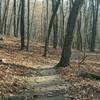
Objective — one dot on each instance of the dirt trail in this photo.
(43, 84)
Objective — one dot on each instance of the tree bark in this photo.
(22, 24)
(50, 28)
(15, 33)
(55, 26)
(95, 7)
(66, 53)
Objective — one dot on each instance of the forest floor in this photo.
(28, 72)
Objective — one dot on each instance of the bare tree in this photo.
(66, 53)
(22, 32)
(15, 34)
(95, 8)
(50, 28)
(28, 26)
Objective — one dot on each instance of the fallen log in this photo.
(89, 75)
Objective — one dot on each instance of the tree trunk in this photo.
(95, 7)
(18, 17)
(55, 26)
(22, 24)
(15, 34)
(50, 28)
(79, 37)
(66, 53)
(89, 75)
(28, 29)
(0, 15)
(3, 25)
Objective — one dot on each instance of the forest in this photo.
(49, 49)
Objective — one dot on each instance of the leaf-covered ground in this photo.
(22, 63)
